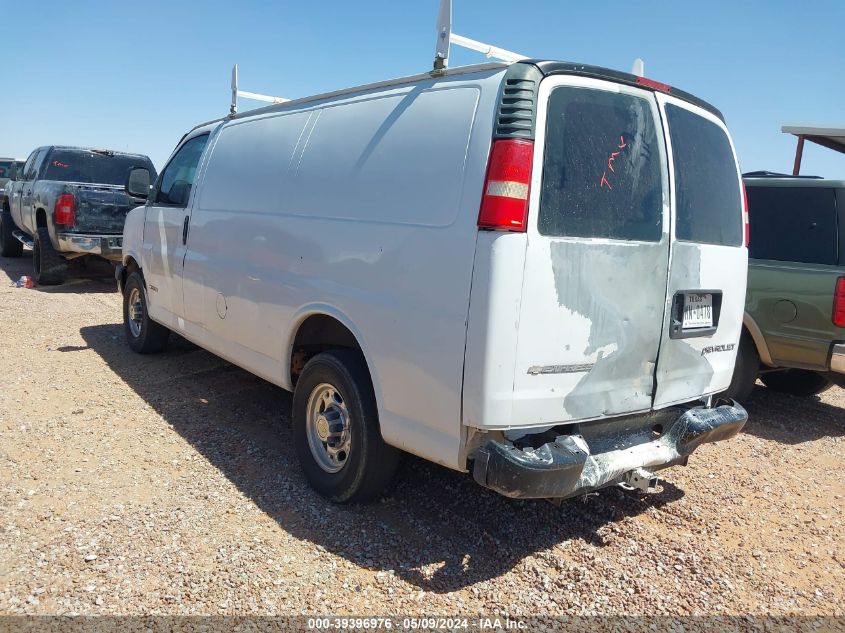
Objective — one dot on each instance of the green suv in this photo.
(794, 334)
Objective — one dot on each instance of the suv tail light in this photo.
(745, 217)
(504, 205)
(839, 303)
(65, 211)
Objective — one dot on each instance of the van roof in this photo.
(546, 68)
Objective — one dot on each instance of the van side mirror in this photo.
(138, 182)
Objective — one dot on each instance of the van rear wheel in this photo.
(796, 382)
(144, 335)
(336, 429)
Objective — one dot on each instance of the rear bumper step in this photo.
(837, 358)
(566, 468)
(107, 246)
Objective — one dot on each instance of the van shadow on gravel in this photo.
(437, 529)
(790, 419)
(84, 275)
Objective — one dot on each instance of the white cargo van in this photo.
(534, 271)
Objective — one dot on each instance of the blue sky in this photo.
(136, 76)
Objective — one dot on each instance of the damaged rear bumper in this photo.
(106, 246)
(566, 466)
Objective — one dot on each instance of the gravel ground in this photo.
(168, 485)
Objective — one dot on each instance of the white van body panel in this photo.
(378, 231)
(694, 367)
(363, 206)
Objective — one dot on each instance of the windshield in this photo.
(93, 167)
(6, 168)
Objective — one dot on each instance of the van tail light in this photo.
(839, 303)
(745, 217)
(504, 205)
(65, 211)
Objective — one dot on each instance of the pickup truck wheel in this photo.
(336, 429)
(50, 268)
(9, 246)
(144, 335)
(796, 382)
(745, 371)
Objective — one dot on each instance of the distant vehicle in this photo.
(8, 170)
(68, 202)
(794, 335)
(476, 265)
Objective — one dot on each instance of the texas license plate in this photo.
(698, 310)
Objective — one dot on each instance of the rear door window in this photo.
(601, 167)
(93, 166)
(793, 224)
(708, 199)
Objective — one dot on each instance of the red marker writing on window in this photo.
(604, 180)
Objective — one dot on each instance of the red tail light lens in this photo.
(839, 303)
(745, 216)
(504, 205)
(65, 211)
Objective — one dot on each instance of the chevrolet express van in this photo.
(524, 270)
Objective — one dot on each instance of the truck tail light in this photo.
(839, 303)
(65, 211)
(745, 217)
(504, 204)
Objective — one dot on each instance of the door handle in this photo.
(185, 230)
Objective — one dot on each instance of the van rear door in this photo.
(709, 259)
(597, 258)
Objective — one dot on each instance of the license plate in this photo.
(698, 311)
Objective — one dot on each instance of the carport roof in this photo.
(830, 137)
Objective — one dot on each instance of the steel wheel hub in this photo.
(327, 428)
(136, 312)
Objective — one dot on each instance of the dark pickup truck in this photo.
(68, 202)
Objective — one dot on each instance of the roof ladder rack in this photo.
(233, 109)
(445, 37)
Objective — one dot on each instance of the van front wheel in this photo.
(144, 335)
(336, 429)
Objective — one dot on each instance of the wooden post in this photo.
(799, 153)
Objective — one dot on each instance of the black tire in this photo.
(144, 336)
(370, 464)
(49, 267)
(796, 382)
(746, 369)
(9, 246)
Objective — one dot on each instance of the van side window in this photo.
(793, 224)
(601, 168)
(708, 198)
(178, 177)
